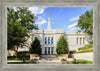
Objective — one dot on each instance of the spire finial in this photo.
(49, 14)
(49, 27)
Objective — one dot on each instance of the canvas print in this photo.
(49, 35)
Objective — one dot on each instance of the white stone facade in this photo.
(74, 40)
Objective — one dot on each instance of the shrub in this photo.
(73, 51)
(35, 47)
(23, 53)
(63, 59)
(84, 51)
(86, 47)
(62, 46)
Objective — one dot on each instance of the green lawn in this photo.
(81, 61)
(14, 59)
(18, 63)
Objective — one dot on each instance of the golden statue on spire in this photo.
(49, 14)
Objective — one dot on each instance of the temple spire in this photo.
(49, 26)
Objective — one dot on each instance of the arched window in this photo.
(45, 40)
(49, 40)
(52, 40)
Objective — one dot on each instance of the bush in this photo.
(88, 46)
(35, 47)
(23, 53)
(63, 59)
(73, 51)
(84, 51)
(62, 46)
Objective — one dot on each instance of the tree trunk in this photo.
(16, 53)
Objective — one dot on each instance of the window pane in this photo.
(80, 40)
(52, 40)
(48, 50)
(45, 50)
(45, 40)
(52, 50)
(49, 40)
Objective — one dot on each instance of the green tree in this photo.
(20, 21)
(85, 22)
(35, 47)
(62, 45)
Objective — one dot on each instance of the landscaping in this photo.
(81, 61)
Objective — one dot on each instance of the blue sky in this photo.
(60, 17)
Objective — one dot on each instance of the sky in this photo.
(60, 17)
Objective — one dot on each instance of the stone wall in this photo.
(85, 56)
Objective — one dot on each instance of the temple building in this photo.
(49, 37)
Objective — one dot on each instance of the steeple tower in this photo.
(49, 26)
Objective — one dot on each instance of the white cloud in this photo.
(37, 10)
(40, 21)
(74, 18)
(72, 26)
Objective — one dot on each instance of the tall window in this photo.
(52, 40)
(51, 50)
(45, 50)
(77, 40)
(48, 50)
(45, 40)
(80, 40)
(83, 40)
(49, 40)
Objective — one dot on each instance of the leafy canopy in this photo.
(62, 45)
(20, 21)
(85, 22)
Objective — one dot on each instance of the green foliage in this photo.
(73, 51)
(35, 47)
(85, 22)
(20, 22)
(86, 47)
(81, 61)
(63, 59)
(85, 51)
(62, 46)
(23, 53)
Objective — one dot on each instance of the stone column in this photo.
(47, 40)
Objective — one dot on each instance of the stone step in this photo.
(48, 56)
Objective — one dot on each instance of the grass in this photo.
(81, 61)
(14, 59)
(18, 62)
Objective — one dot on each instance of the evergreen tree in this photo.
(35, 47)
(62, 46)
